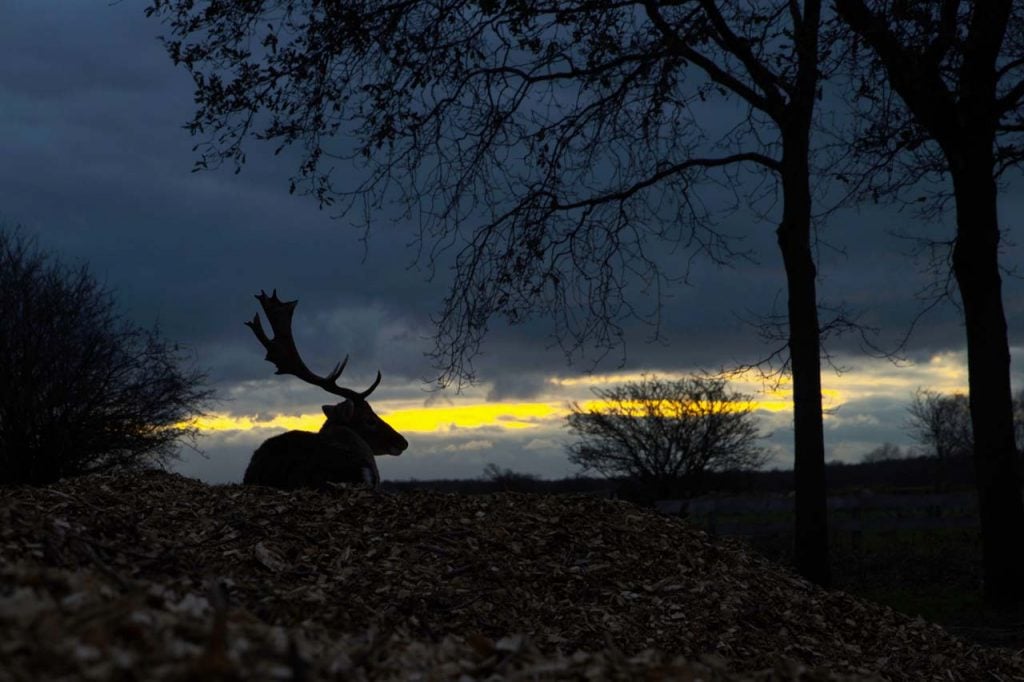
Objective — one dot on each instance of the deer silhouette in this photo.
(344, 449)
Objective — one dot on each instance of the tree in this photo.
(81, 389)
(883, 453)
(1018, 423)
(567, 137)
(509, 480)
(957, 68)
(666, 434)
(941, 423)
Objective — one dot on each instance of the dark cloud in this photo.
(523, 385)
(97, 165)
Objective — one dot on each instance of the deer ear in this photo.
(328, 410)
(344, 411)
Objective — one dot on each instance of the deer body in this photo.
(303, 459)
(344, 449)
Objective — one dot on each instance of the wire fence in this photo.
(753, 516)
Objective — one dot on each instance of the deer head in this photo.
(352, 413)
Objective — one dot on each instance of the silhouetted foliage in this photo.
(941, 423)
(81, 389)
(551, 152)
(666, 434)
(509, 480)
(883, 453)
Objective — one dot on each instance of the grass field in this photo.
(935, 574)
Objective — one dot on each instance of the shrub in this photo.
(665, 435)
(82, 390)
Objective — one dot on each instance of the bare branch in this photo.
(765, 102)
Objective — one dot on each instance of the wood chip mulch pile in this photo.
(152, 576)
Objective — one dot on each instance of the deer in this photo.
(344, 449)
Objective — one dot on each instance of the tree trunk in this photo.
(976, 266)
(794, 238)
(963, 122)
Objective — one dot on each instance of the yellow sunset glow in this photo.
(423, 420)
(227, 422)
(502, 415)
(944, 373)
(505, 416)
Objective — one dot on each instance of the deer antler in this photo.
(282, 352)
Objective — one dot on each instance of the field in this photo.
(930, 567)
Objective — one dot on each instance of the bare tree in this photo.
(82, 390)
(666, 434)
(957, 67)
(544, 148)
(509, 480)
(883, 453)
(941, 423)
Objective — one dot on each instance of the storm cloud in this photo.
(96, 164)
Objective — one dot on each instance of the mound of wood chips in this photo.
(156, 576)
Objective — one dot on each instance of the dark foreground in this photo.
(154, 576)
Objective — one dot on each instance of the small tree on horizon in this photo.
(82, 390)
(666, 434)
(941, 423)
(510, 480)
(886, 452)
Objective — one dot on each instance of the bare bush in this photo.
(886, 452)
(82, 390)
(509, 480)
(666, 434)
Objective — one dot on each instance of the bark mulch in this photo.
(153, 576)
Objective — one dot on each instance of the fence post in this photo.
(857, 531)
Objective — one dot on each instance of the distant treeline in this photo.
(917, 474)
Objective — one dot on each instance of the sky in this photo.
(95, 163)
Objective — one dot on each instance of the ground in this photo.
(156, 576)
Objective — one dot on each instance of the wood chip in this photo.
(156, 576)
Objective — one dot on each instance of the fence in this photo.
(773, 514)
